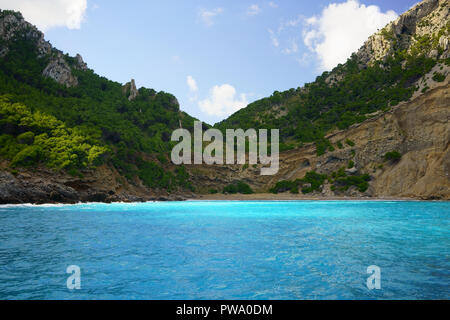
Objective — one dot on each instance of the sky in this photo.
(215, 56)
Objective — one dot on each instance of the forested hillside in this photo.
(387, 70)
(56, 112)
(69, 135)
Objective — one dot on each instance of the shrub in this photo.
(315, 179)
(28, 156)
(231, 188)
(438, 77)
(26, 138)
(361, 182)
(322, 145)
(285, 185)
(351, 164)
(393, 156)
(350, 142)
(162, 159)
(239, 187)
(53, 142)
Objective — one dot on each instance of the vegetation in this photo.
(359, 181)
(154, 176)
(238, 187)
(324, 105)
(311, 182)
(351, 164)
(438, 77)
(315, 181)
(285, 185)
(393, 156)
(342, 182)
(30, 138)
(43, 122)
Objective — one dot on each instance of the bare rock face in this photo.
(60, 71)
(418, 129)
(81, 65)
(130, 89)
(44, 47)
(428, 17)
(10, 24)
(13, 24)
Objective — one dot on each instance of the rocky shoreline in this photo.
(51, 189)
(24, 189)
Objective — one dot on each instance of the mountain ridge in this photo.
(372, 79)
(69, 135)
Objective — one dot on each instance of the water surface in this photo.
(226, 250)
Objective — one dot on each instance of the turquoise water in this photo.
(226, 250)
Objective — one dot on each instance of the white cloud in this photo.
(304, 59)
(223, 101)
(293, 47)
(192, 84)
(207, 16)
(273, 4)
(46, 14)
(341, 29)
(293, 22)
(274, 38)
(253, 10)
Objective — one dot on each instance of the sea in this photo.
(246, 250)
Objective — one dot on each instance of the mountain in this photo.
(68, 124)
(402, 60)
(376, 126)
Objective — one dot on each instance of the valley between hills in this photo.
(376, 127)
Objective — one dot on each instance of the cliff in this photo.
(13, 26)
(418, 129)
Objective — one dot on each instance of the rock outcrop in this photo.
(429, 17)
(419, 129)
(104, 184)
(130, 90)
(59, 70)
(80, 64)
(13, 25)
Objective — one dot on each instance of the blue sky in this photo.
(214, 56)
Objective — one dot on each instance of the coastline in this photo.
(227, 197)
(293, 197)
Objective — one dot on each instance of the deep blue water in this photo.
(226, 250)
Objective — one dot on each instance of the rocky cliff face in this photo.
(105, 184)
(14, 26)
(419, 129)
(427, 18)
(130, 90)
(59, 70)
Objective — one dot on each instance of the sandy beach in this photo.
(285, 196)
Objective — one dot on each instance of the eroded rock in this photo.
(60, 71)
